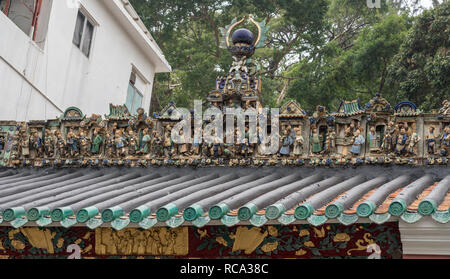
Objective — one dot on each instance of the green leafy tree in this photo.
(188, 33)
(362, 70)
(422, 67)
(317, 51)
(353, 63)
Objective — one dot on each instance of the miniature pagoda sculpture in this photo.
(241, 87)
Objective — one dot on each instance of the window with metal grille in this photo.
(84, 32)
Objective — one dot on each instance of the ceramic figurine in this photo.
(141, 116)
(251, 146)
(146, 141)
(445, 145)
(388, 140)
(286, 142)
(157, 144)
(316, 141)
(15, 147)
(60, 145)
(72, 143)
(195, 149)
(231, 104)
(24, 141)
(2, 143)
(208, 149)
(49, 143)
(299, 141)
(215, 104)
(415, 139)
(260, 140)
(97, 142)
(374, 140)
(114, 128)
(445, 110)
(228, 150)
(357, 143)
(395, 136)
(182, 147)
(237, 146)
(401, 142)
(216, 150)
(431, 141)
(109, 144)
(133, 145)
(350, 131)
(168, 143)
(247, 105)
(245, 147)
(330, 141)
(84, 143)
(37, 144)
(120, 143)
(14, 151)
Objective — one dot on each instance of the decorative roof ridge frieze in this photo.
(351, 136)
(378, 104)
(349, 109)
(72, 114)
(118, 112)
(292, 109)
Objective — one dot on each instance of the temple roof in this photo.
(349, 108)
(292, 109)
(378, 104)
(146, 197)
(170, 112)
(406, 109)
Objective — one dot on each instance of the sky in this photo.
(427, 3)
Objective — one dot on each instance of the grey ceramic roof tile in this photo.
(176, 196)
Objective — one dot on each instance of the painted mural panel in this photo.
(294, 241)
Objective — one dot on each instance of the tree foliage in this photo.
(317, 51)
(422, 66)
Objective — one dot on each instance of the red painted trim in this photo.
(37, 11)
(425, 257)
(8, 3)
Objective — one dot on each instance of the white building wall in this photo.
(426, 237)
(38, 84)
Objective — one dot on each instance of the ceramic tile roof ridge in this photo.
(233, 212)
(415, 205)
(352, 210)
(445, 205)
(321, 211)
(384, 207)
(348, 193)
(292, 210)
(278, 194)
(237, 200)
(152, 185)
